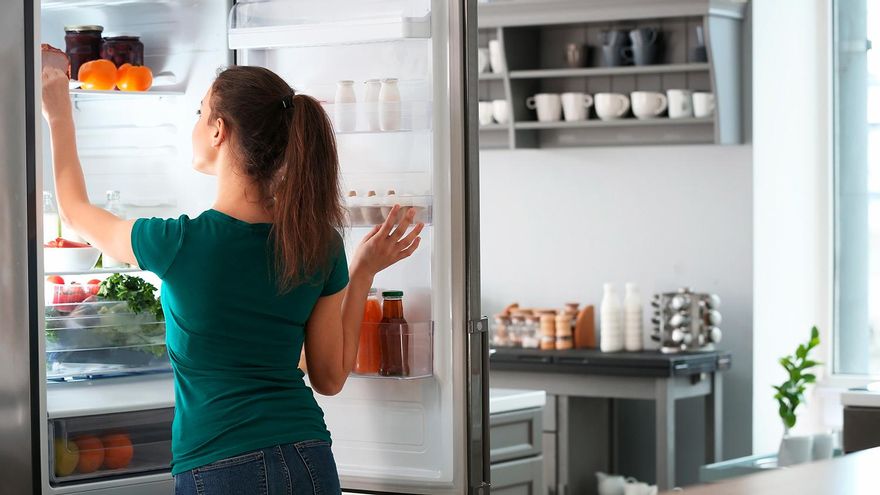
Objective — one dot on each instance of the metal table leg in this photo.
(664, 406)
(713, 421)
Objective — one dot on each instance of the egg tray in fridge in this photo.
(102, 338)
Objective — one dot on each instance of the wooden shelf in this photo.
(609, 71)
(628, 122)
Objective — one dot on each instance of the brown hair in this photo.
(286, 144)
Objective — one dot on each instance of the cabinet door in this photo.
(522, 477)
(515, 435)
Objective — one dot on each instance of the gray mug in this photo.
(615, 51)
(645, 45)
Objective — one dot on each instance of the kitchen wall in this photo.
(557, 224)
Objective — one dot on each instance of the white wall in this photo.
(791, 184)
(557, 224)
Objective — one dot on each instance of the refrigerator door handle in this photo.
(478, 405)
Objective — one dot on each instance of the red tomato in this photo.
(77, 293)
(55, 279)
(93, 285)
(64, 243)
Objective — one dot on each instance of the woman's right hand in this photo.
(387, 244)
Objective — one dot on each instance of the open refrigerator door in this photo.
(391, 76)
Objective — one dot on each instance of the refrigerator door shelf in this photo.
(379, 118)
(406, 351)
(104, 446)
(335, 33)
(368, 212)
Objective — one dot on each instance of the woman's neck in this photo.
(239, 197)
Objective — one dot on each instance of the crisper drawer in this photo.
(514, 435)
(97, 337)
(90, 448)
(522, 477)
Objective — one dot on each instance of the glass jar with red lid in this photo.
(82, 44)
(123, 50)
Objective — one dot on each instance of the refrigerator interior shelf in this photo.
(71, 4)
(111, 395)
(78, 94)
(97, 271)
(347, 32)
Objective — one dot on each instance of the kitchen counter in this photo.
(502, 400)
(853, 474)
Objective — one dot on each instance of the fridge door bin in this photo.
(102, 338)
(402, 352)
(91, 448)
(295, 23)
(370, 211)
(379, 118)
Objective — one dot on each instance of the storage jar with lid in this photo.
(82, 44)
(123, 50)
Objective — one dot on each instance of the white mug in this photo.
(548, 105)
(485, 112)
(575, 105)
(704, 105)
(482, 60)
(611, 106)
(496, 57)
(681, 105)
(648, 104)
(501, 111)
(633, 487)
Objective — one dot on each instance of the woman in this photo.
(248, 283)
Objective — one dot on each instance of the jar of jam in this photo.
(123, 50)
(82, 44)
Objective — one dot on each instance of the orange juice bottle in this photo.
(369, 355)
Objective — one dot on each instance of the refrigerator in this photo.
(71, 373)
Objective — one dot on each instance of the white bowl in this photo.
(70, 259)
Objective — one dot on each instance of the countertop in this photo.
(853, 474)
(503, 400)
(862, 398)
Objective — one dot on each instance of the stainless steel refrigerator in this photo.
(63, 379)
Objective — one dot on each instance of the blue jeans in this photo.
(302, 468)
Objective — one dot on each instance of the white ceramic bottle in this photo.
(632, 318)
(371, 100)
(610, 319)
(345, 109)
(389, 105)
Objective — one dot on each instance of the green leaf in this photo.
(809, 364)
(801, 352)
(809, 378)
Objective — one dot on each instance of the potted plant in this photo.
(795, 449)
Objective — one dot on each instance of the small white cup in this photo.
(496, 57)
(501, 111)
(575, 106)
(681, 104)
(482, 59)
(485, 112)
(648, 104)
(611, 106)
(704, 105)
(548, 105)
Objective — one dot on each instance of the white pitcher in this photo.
(610, 484)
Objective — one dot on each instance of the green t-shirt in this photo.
(233, 341)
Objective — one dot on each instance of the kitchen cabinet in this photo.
(516, 441)
(533, 37)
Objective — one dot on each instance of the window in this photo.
(857, 187)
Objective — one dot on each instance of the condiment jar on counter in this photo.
(548, 331)
(500, 336)
(531, 333)
(516, 330)
(564, 322)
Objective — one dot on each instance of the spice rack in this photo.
(533, 36)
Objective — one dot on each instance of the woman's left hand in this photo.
(387, 244)
(56, 95)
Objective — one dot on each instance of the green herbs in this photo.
(137, 292)
(790, 394)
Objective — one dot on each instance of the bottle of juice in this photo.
(394, 336)
(369, 352)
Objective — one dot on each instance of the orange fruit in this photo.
(134, 78)
(121, 71)
(118, 450)
(97, 74)
(91, 453)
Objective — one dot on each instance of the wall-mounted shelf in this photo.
(609, 71)
(658, 122)
(535, 34)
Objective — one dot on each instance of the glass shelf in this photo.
(96, 271)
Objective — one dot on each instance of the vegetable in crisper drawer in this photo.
(137, 292)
